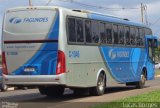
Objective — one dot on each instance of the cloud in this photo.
(126, 13)
(153, 16)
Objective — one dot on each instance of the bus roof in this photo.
(115, 20)
(91, 14)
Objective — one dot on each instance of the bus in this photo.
(55, 48)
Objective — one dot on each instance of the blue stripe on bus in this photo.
(45, 60)
(125, 69)
(124, 64)
(113, 19)
(54, 32)
(150, 65)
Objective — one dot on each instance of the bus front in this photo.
(30, 52)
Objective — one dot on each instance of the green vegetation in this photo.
(147, 100)
(157, 72)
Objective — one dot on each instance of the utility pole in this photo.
(30, 2)
(142, 16)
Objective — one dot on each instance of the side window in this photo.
(127, 35)
(115, 34)
(151, 51)
(108, 30)
(121, 34)
(102, 33)
(137, 35)
(141, 37)
(88, 34)
(133, 36)
(71, 30)
(95, 31)
(79, 30)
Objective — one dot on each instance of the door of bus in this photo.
(151, 45)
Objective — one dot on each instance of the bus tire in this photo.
(42, 90)
(101, 85)
(140, 84)
(4, 88)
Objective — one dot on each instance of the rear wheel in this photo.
(4, 88)
(52, 91)
(101, 85)
(42, 90)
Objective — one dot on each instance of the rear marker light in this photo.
(61, 63)
(4, 66)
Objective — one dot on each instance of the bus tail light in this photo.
(61, 63)
(4, 65)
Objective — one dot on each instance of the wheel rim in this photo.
(143, 79)
(101, 82)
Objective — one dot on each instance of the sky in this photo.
(128, 9)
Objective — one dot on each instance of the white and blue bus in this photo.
(56, 48)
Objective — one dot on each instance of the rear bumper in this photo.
(35, 79)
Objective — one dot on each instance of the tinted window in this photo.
(127, 35)
(140, 37)
(108, 30)
(115, 34)
(121, 34)
(79, 30)
(103, 36)
(132, 36)
(136, 34)
(95, 32)
(151, 50)
(71, 30)
(88, 31)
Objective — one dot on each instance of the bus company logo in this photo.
(15, 20)
(112, 54)
(36, 20)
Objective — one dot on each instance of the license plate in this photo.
(29, 69)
